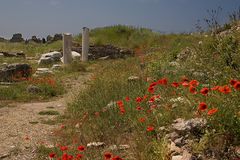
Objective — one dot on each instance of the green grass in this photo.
(106, 124)
(48, 112)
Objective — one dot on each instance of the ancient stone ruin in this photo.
(105, 52)
(14, 72)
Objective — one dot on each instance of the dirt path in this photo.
(22, 129)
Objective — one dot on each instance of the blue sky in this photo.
(43, 17)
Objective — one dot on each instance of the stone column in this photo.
(67, 48)
(85, 44)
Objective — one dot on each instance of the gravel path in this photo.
(22, 128)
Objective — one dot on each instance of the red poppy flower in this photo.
(225, 89)
(185, 84)
(202, 106)
(175, 84)
(215, 88)
(142, 120)
(204, 91)
(151, 90)
(152, 99)
(139, 99)
(153, 84)
(145, 97)
(212, 111)
(52, 155)
(81, 148)
(194, 83)
(139, 108)
(63, 148)
(153, 106)
(127, 99)
(233, 82)
(237, 85)
(65, 156)
(107, 155)
(79, 156)
(162, 81)
(70, 157)
(117, 158)
(193, 90)
(120, 103)
(150, 128)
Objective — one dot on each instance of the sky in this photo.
(44, 17)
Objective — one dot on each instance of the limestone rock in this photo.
(179, 157)
(50, 57)
(76, 55)
(96, 144)
(33, 89)
(11, 71)
(43, 72)
(133, 78)
(56, 67)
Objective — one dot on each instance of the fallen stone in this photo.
(13, 72)
(186, 155)
(123, 147)
(177, 157)
(133, 78)
(33, 89)
(43, 72)
(104, 58)
(56, 67)
(45, 60)
(179, 142)
(96, 144)
(50, 57)
(174, 149)
(76, 55)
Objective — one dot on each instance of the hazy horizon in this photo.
(41, 18)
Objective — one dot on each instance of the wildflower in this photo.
(153, 106)
(175, 84)
(215, 88)
(52, 155)
(70, 157)
(142, 119)
(79, 156)
(192, 89)
(139, 108)
(237, 85)
(194, 83)
(65, 156)
(127, 99)
(153, 84)
(97, 114)
(233, 82)
(151, 90)
(162, 81)
(225, 89)
(212, 111)
(139, 99)
(120, 103)
(150, 128)
(145, 97)
(202, 106)
(107, 155)
(152, 99)
(63, 148)
(81, 148)
(117, 158)
(204, 91)
(185, 84)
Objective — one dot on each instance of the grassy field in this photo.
(117, 111)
